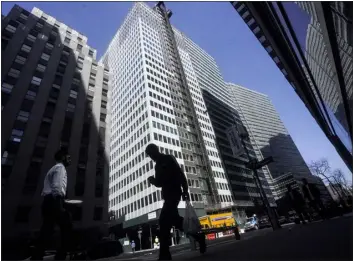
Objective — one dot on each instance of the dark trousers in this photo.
(53, 213)
(168, 218)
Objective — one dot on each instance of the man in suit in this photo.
(313, 195)
(170, 177)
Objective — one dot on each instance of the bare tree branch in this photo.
(320, 167)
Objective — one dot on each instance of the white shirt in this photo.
(55, 181)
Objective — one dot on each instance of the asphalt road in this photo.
(324, 240)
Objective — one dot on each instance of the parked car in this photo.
(282, 220)
(251, 223)
(292, 216)
(264, 222)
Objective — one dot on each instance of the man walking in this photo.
(170, 177)
(133, 245)
(313, 195)
(53, 211)
(297, 202)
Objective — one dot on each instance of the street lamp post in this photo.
(151, 237)
(140, 236)
(254, 165)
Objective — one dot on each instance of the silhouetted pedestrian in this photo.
(170, 177)
(53, 211)
(313, 195)
(297, 202)
(133, 246)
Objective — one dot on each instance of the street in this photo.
(323, 240)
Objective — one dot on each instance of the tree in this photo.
(320, 168)
(340, 179)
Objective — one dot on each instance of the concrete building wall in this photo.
(54, 94)
(270, 135)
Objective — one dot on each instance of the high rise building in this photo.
(272, 138)
(152, 103)
(202, 71)
(157, 97)
(54, 94)
(311, 43)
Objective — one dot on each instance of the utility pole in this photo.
(254, 165)
(151, 237)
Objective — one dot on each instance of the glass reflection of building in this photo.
(319, 62)
(311, 43)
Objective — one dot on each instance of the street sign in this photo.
(152, 215)
(264, 162)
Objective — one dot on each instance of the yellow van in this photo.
(218, 220)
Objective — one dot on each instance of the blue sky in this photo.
(218, 29)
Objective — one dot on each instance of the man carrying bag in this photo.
(170, 177)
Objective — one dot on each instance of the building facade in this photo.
(203, 73)
(280, 184)
(311, 43)
(54, 95)
(318, 57)
(150, 105)
(271, 137)
(157, 98)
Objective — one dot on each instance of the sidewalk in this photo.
(326, 240)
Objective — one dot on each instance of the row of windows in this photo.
(218, 174)
(163, 127)
(128, 142)
(134, 73)
(124, 119)
(147, 200)
(222, 186)
(163, 108)
(139, 172)
(165, 139)
(137, 147)
(142, 157)
(162, 117)
(156, 88)
(134, 113)
(134, 133)
(132, 191)
(194, 183)
(225, 198)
